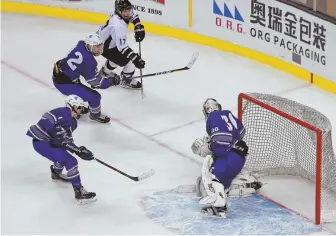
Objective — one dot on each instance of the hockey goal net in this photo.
(288, 138)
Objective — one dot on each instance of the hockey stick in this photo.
(134, 178)
(142, 92)
(187, 67)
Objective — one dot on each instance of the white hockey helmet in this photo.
(94, 43)
(210, 105)
(74, 100)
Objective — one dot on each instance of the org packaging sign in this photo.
(297, 33)
(273, 28)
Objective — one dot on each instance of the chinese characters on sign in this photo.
(288, 30)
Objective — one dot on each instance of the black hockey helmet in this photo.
(121, 5)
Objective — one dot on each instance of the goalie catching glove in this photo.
(201, 147)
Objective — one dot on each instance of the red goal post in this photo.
(289, 138)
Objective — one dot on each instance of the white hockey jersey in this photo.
(115, 30)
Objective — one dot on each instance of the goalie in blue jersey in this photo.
(224, 153)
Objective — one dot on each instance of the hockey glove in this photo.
(84, 153)
(138, 62)
(139, 32)
(241, 148)
(114, 79)
(106, 81)
(201, 147)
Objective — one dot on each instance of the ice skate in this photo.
(84, 197)
(214, 211)
(58, 177)
(255, 185)
(101, 118)
(131, 84)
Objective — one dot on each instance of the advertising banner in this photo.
(268, 26)
(273, 28)
(163, 12)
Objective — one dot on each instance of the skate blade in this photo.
(85, 201)
(129, 88)
(215, 214)
(61, 181)
(98, 122)
(221, 215)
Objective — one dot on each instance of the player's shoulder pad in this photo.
(117, 22)
(88, 57)
(225, 111)
(64, 114)
(215, 114)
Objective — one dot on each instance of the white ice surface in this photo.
(142, 134)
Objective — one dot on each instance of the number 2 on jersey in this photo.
(73, 61)
(230, 122)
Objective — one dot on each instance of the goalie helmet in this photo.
(94, 44)
(74, 101)
(210, 105)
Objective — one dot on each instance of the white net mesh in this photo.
(280, 146)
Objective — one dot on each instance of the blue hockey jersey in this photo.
(51, 122)
(81, 62)
(224, 130)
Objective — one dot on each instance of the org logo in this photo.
(225, 19)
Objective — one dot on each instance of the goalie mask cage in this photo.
(288, 138)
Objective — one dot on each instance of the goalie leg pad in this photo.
(200, 189)
(214, 197)
(240, 191)
(244, 184)
(198, 186)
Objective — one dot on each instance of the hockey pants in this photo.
(227, 167)
(61, 158)
(87, 94)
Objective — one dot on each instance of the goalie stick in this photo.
(134, 178)
(187, 67)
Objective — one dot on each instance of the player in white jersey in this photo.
(116, 49)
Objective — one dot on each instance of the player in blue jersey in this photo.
(52, 138)
(81, 62)
(224, 153)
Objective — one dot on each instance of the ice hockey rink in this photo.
(154, 132)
